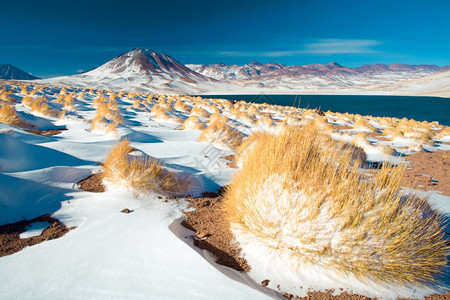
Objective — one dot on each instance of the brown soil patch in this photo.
(435, 164)
(213, 234)
(49, 132)
(213, 231)
(232, 161)
(342, 127)
(377, 136)
(10, 241)
(93, 183)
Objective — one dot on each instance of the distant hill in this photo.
(437, 84)
(8, 71)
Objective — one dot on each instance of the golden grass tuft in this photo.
(180, 106)
(252, 110)
(444, 133)
(161, 115)
(393, 133)
(142, 173)
(218, 132)
(136, 104)
(9, 115)
(100, 123)
(106, 120)
(6, 95)
(299, 199)
(193, 122)
(363, 124)
(27, 101)
(199, 112)
(103, 110)
(40, 105)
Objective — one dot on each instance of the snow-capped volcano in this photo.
(147, 62)
(142, 70)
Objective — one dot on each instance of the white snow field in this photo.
(145, 254)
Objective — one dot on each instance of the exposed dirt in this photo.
(341, 127)
(93, 183)
(232, 161)
(213, 234)
(430, 171)
(377, 136)
(48, 132)
(10, 241)
(213, 231)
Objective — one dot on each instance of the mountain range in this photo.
(145, 70)
(258, 71)
(315, 77)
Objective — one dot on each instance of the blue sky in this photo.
(50, 38)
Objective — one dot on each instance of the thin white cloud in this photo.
(319, 47)
(338, 46)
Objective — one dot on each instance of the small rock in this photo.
(278, 286)
(202, 235)
(287, 295)
(125, 211)
(265, 282)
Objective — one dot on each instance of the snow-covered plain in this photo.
(145, 254)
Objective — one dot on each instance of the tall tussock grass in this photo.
(220, 133)
(9, 115)
(299, 200)
(193, 122)
(143, 173)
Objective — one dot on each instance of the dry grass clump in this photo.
(264, 122)
(193, 122)
(27, 101)
(161, 115)
(104, 110)
(252, 110)
(245, 118)
(393, 133)
(215, 117)
(218, 132)
(297, 202)
(445, 133)
(181, 106)
(6, 95)
(99, 100)
(100, 123)
(143, 173)
(9, 115)
(363, 124)
(322, 125)
(106, 120)
(199, 112)
(40, 105)
(416, 130)
(136, 104)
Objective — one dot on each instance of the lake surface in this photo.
(417, 108)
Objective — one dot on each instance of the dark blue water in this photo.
(417, 108)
